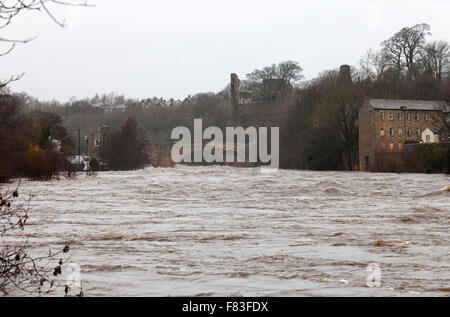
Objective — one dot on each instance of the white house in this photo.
(431, 135)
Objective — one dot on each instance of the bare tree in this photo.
(112, 100)
(374, 64)
(18, 269)
(340, 109)
(435, 58)
(11, 9)
(404, 47)
(272, 80)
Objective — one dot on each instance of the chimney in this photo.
(234, 94)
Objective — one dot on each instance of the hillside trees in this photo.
(408, 55)
(126, 149)
(273, 80)
(324, 124)
(404, 47)
(29, 142)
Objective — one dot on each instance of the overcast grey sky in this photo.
(174, 48)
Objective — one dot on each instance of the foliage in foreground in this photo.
(19, 270)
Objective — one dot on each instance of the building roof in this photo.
(434, 130)
(393, 104)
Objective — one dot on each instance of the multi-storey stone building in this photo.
(387, 125)
(97, 142)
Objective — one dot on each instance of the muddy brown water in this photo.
(223, 231)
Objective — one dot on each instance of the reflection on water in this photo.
(223, 231)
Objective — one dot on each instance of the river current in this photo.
(224, 231)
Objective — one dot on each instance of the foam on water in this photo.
(223, 231)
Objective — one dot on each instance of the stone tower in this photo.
(234, 87)
(344, 77)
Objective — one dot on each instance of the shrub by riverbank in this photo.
(417, 158)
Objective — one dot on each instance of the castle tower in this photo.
(234, 94)
(344, 77)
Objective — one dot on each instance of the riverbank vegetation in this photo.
(21, 271)
(33, 144)
(320, 126)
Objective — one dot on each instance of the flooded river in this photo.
(224, 231)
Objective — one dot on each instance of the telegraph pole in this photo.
(404, 108)
(79, 146)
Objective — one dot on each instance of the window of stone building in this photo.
(391, 116)
(428, 138)
(97, 142)
(417, 116)
(382, 115)
(417, 132)
(391, 131)
(425, 117)
(408, 116)
(382, 132)
(400, 116)
(391, 146)
(400, 146)
(400, 131)
(409, 132)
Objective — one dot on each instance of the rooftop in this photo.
(393, 104)
(435, 130)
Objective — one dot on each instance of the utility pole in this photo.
(404, 108)
(79, 146)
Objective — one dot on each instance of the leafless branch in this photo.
(11, 9)
(9, 12)
(18, 269)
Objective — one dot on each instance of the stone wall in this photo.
(160, 155)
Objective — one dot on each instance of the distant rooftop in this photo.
(393, 104)
(435, 130)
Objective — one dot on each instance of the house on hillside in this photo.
(110, 108)
(431, 135)
(159, 102)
